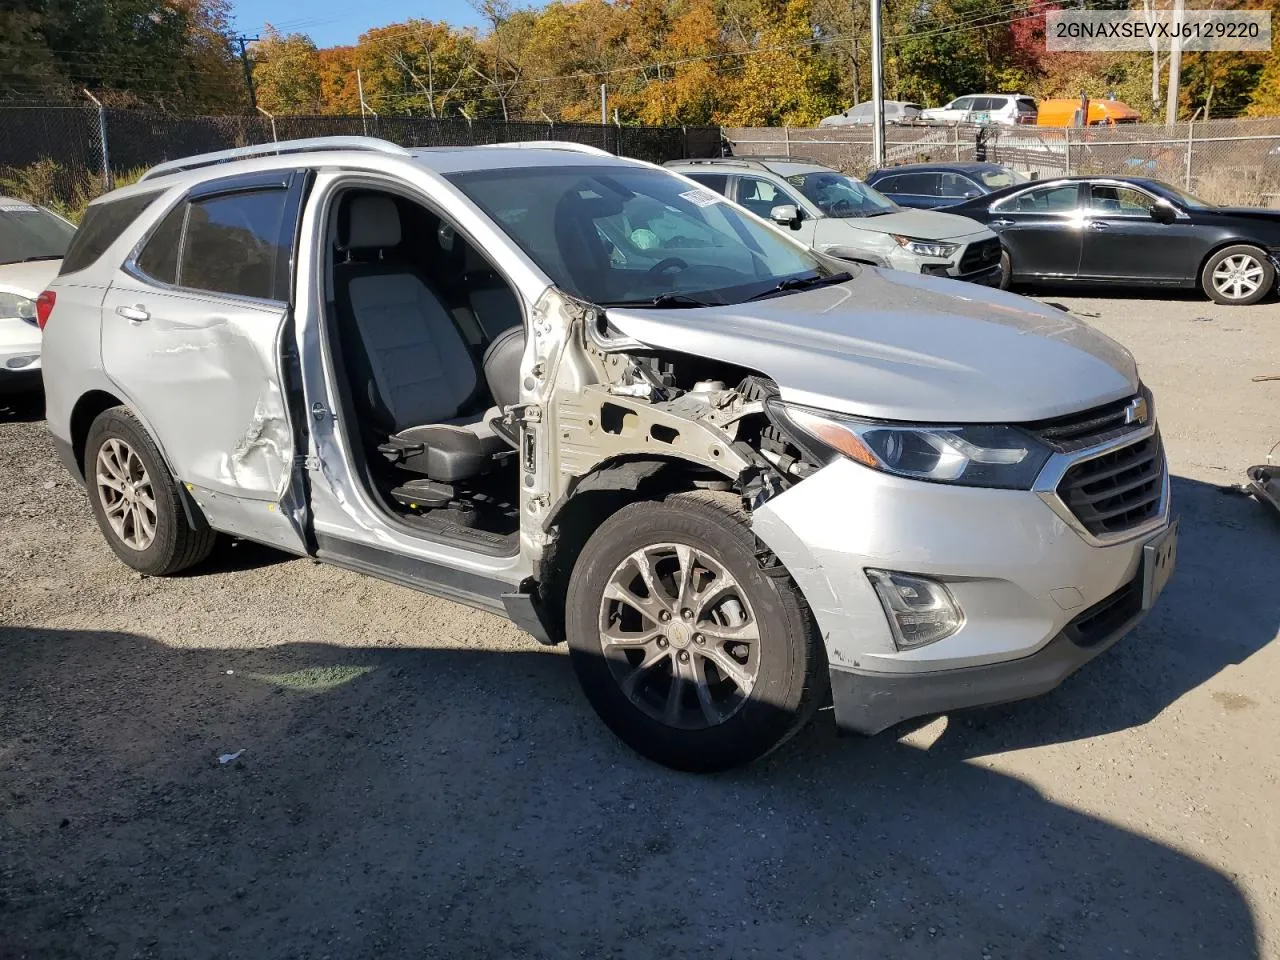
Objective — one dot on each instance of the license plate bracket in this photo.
(1159, 556)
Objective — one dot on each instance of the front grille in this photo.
(1104, 618)
(981, 255)
(1078, 431)
(1118, 490)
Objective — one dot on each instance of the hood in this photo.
(920, 224)
(28, 279)
(900, 346)
(1261, 214)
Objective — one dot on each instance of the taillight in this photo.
(44, 307)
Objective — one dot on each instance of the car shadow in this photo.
(24, 406)
(1220, 608)
(461, 803)
(1107, 291)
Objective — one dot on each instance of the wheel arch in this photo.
(92, 405)
(595, 496)
(1217, 248)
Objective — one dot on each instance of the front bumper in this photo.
(19, 355)
(868, 703)
(1024, 575)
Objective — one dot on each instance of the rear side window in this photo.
(916, 184)
(159, 258)
(102, 224)
(233, 242)
(714, 181)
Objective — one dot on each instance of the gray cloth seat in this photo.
(415, 375)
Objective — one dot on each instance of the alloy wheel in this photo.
(1238, 276)
(125, 490)
(679, 636)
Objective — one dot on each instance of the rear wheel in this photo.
(135, 499)
(689, 649)
(1238, 275)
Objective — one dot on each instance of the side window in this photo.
(102, 224)
(957, 187)
(712, 181)
(761, 196)
(888, 185)
(233, 243)
(1059, 199)
(159, 258)
(964, 103)
(984, 103)
(916, 184)
(1120, 201)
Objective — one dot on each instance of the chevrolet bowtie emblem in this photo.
(1136, 411)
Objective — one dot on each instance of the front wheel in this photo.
(1006, 270)
(136, 500)
(1238, 275)
(688, 649)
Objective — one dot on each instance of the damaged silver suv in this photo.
(584, 392)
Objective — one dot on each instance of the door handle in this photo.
(134, 314)
(1098, 225)
(1000, 222)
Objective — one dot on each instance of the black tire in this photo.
(1241, 253)
(1006, 270)
(175, 544)
(791, 670)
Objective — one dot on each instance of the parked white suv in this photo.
(842, 217)
(1004, 108)
(595, 397)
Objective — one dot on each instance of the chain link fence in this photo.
(61, 156)
(1233, 162)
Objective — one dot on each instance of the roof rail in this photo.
(754, 162)
(554, 145)
(309, 145)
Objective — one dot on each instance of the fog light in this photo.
(919, 610)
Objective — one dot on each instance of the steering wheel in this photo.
(669, 263)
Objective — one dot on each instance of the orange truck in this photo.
(1067, 112)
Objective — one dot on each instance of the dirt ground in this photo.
(422, 780)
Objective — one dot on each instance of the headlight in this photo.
(975, 455)
(14, 307)
(926, 248)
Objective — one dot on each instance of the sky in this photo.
(332, 22)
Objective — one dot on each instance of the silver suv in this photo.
(845, 218)
(590, 395)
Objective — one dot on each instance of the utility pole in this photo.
(877, 87)
(604, 105)
(248, 68)
(1175, 66)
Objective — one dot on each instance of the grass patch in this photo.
(312, 679)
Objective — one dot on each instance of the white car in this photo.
(842, 217)
(32, 243)
(863, 114)
(1011, 109)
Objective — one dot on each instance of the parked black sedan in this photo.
(928, 186)
(1132, 231)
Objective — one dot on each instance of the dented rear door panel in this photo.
(203, 373)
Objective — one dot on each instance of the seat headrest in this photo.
(372, 222)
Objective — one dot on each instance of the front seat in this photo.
(415, 376)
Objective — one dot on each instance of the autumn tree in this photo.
(286, 72)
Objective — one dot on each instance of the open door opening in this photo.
(426, 339)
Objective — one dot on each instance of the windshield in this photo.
(1186, 199)
(616, 234)
(839, 196)
(30, 233)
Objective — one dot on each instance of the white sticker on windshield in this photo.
(701, 198)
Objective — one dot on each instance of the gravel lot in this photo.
(420, 779)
